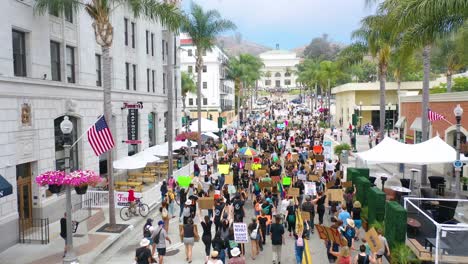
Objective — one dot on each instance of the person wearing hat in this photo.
(236, 257)
(187, 210)
(214, 258)
(159, 238)
(349, 232)
(356, 216)
(143, 253)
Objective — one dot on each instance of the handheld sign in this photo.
(336, 195)
(305, 216)
(206, 202)
(287, 181)
(293, 192)
(373, 240)
(260, 174)
(223, 169)
(240, 233)
(229, 179)
(184, 181)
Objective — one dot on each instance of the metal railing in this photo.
(97, 199)
(34, 231)
(82, 210)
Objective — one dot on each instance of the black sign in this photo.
(132, 124)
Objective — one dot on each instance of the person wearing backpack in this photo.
(309, 207)
(148, 229)
(363, 257)
(159, 238)
(291, 217)
(299, 247)
(255, 234)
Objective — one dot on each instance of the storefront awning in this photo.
(5, 187)
(417, 124)
(400, 122)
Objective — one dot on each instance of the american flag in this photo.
(433, 116)
(100, 137)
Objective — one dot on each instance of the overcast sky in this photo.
(291, 23)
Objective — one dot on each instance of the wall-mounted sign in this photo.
(132, 125)
(133, 142)
(137, 105)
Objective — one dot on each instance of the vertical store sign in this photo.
(132, 126)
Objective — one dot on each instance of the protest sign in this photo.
(347, 184)
(260, 174)
(287, 181)
(310, 188)
(319, 165)
(330, 234)
(335, 195)
(206, 202)
(293, 192)
(327, 149)
(229, 179)
(373, 240)
(302, 175)
(232, 189)
(240, 233)
(256, 166)
(305, 216)
(223, 169)
(313, 178)
(184, 181)
(267, 184)
(234, 160)
(275, 179)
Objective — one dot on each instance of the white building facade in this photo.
(51, 66)
(217, 91)
(279, 69)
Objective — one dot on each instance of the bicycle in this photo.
(126, 212)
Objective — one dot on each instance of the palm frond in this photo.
(56, 6)
(168, 14)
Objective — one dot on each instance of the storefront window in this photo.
(418, 137)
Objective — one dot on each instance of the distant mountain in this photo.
(235, 45)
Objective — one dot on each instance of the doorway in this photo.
(24, 185)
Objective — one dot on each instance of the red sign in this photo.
(137, 105)
(133, 142)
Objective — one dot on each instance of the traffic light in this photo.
(220, 122)
(184, 120)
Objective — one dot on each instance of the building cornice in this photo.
(440, 97)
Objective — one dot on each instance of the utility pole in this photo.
(170, 98)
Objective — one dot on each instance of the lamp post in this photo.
(354, 120)
(360, 115)
(66, 126)
(458, 111)
(388, 119)
(187, 126)
(220, 123)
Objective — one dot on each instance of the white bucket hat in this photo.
(235, 252)
(144, 242)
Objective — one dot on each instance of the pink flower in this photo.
(51, 177)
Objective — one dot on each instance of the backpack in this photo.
(300, 242)
(156, 238)
(146, 231)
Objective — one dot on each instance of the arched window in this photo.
(277, 74)
(59, 141)
(287, 74)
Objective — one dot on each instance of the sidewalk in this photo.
(87, 244)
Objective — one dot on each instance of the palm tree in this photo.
(327, 75)
(100, 12)
(188, 86)
(203, 27)
(244, 70)
(377, 38)
(308, 75)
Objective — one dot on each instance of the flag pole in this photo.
(82, 135)
(448, 122)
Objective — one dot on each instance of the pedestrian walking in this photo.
(291, 217)
(356, 216)
(143, 253)
(343, 256)
(309, 207)
(219, 246)
(236, 257)
(320, 202)
(299, 247)
(255, 234)
(189, 234)
(206, 236)
(163, 190)
(369, 140)
(277, 239)
(384, 250)
(159, 241)
(148, 230)
(363, 257)
(165, 214)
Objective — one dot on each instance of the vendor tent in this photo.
(161, 149)
(432, 151)
(129, 163)
(206, 125)
(211, 135)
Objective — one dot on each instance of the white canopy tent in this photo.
(432, 151)
(206, 125)
(161, 149)
(211, 135)
(136, 161)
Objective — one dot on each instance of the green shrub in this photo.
(376, 203)
(395, 221)
(365, 212)
(338, 149)
(378, 225)
(402, 254)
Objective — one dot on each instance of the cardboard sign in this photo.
(220, 153)
(295, 157)
(319, 166)
(260, 174)
(263, 185)
(223, 169)
(319, 157)
(330, 184)
(347, 184)
(240, 233)
(305, 216)
(373, 240)
(229, 179)
(314, 178)
(294, 192)
(248, 166)
(234, 160)
(275, 179)
(335, 195)
(256, 166)
(206, 202)
(330, 234)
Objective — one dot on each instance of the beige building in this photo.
(365, 99)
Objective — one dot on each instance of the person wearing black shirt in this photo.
(206, 237)
(63, 231)
(277, 232)
(238, 205)
(309, 207)
(320, 202)
(143, 253)
(218, 212)
(182, 199)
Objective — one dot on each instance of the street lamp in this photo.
(458, 111)
(360, 115)
(66, 126)
(388, 119)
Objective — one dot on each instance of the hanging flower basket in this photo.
(193, 136)
(54, 188)
(80, 178)
(51, 178)
(81, 189)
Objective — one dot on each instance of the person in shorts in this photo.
(159, 238)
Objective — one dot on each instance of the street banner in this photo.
(223, 169)
(240, 233)
(327, 149)
(373, 240)
(121, 198)
(206, 202)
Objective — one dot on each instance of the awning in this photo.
(400, 121)
(5, 187)
(417, 124)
